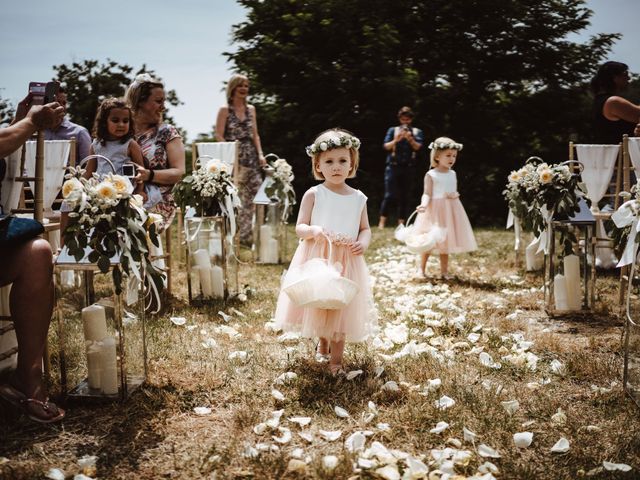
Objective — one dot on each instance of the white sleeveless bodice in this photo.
(338, 213)
(443, 183)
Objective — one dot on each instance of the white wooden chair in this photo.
(228, 152)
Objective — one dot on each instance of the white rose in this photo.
(106, 190)
(323, 146)
(121, 184)
(70, 186)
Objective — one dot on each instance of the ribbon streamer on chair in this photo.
(545, 237)
(622, 217)
(513, 221)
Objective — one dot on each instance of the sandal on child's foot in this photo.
(322, 357)
(336, 369)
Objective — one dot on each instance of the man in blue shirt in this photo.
(403, 143)
(67, 129)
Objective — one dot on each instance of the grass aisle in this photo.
(457, 369)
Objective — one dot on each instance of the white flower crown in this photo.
(445, 146)
(345, 140)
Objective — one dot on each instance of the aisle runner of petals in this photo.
(424, 320)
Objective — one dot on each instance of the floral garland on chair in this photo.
(626, 225)
(281, 186)
(108, 220)
(539, 192)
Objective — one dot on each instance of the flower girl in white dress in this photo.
(336, 210)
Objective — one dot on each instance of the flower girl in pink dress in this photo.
(332, 209)
(441, 207)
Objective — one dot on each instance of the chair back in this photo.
(602, 170)
(227, 152)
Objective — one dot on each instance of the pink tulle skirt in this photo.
(352, 323)
(448, 213)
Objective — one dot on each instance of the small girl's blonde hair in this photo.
(441, 143)
(235, 80)
(331, 139)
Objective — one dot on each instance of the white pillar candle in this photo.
(572, 279)
(533, 259)
(54, 240)
(67, 278)
(205, 281)
(94, 364)
(195, 280)
(201, 258)
(265, 237)
(215, 245)
(94, 322)
(109, 367)
(217, 281)
(271, 255)
(560, 292)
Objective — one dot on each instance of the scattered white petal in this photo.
(511, 406)
(308, 436)
(488, 467)
(372, 407)
(277, 394)
(296, 465)
(238, 355)
(224, 316)
(445, 402)
(190, 328)
(271, 326)
(391, 386)
(487, 451)
(210, 343)
(353, 374)
(55, 474)
(440, 427)
(355, 442)
(454, 441)
(612, 467)
(285, 436)
(286, 378)
(274, 421)
(260, 428)
(289, 337)
(559, 418)
(302, 421)
(592, 428)
(81, 476)
(522, 439)
(561, 446)
(383, 427)
(557, 367)
(388, 472)
(528, 423)
(178, 320)
(202, 410)
(297, 453)
(330, 435)
(379, 370)
(341, 412)
(366, 463)
(330, 462)
(237, 312)
(469, 436)
(417, 469)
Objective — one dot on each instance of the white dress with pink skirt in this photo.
(447, 213)
(338, 215)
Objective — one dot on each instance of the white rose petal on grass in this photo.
(557, 367)
(302, 421)
(277, 394)
(330, 435)
(511, 406)
(488, 452)
(237, 312)
(274, 421)
(391, 386)
(341, 412)
(383, 427)
(297, 453)
(379, 371)
(440, 427)
(306, 435)
(561, 446)
(559, 418)
(522, 439)
(488, 467)
(55, 474)
(285, 378)
(330, 462)
(296, 465)
(178, 320)
(372, 407)
(224, 316)
(260, 428)
(202, 410)
(416, 468)
(209, 343)
(366, 463)
(238, 355)
(612, 467)
(353, 374)
(355, 442)
(388, 472)
(445, 402)
(285, 436)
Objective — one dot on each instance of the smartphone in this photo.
(129, 170)
(43, 92)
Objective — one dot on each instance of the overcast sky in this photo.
(182, 41)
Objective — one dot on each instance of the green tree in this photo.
(499, 76)
(6, 112)
(89, 81)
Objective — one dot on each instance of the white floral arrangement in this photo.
(110, 221)
(209, 189)
(344, 140)
(626, 226)
(281, 186)
(445, 146)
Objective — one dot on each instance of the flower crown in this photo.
(345, 140)
(445, 146)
